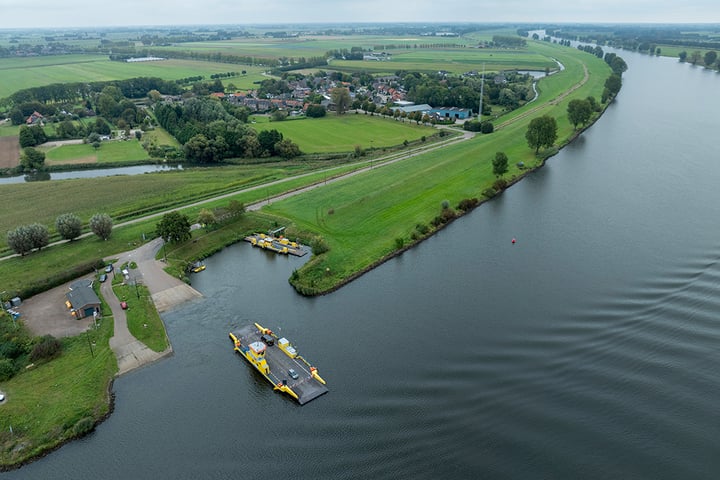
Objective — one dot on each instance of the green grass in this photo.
(340, 133)
(45, 403)
(143, 320)
(109, 152)
(19, 73)
(8, 130)
(454, 60)
(160, 136)
(362, 217)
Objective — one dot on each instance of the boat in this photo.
(279, 362)
(197, 267)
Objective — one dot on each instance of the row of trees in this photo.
(80, 91)
(710, 59)
(26, 238)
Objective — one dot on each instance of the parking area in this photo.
(46, 314)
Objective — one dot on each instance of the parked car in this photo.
(293, 374)
(102, 278)
(123, 305)
(268, 339)
(109, 268)
(2, 397)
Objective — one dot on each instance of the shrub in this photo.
(83, 426)
(447, 214)
(422, 228)
(489, 192)
(437, 221)
(486, 127)
(500, 184)
(49, 347)
(445, 204)
(319, 246)
(467, 204)
(399, 243)
(7, 369)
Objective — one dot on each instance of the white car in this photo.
(2, 397)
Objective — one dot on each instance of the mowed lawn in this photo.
(341, 133)
(109, 152)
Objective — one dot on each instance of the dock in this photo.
(274, 357)
(280, 245)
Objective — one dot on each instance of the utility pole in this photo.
(482, 91)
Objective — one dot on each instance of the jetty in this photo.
(279, 244)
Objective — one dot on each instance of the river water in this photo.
(587, 349)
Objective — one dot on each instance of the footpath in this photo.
(166, 292)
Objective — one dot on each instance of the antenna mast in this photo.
(482, 88)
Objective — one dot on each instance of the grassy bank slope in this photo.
(369, 216)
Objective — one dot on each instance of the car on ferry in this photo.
(293, 374)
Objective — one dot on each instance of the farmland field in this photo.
(109, 152)
(9, 152)
(19, 73)
(454, 60)
(341, 133)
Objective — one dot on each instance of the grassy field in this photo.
(46, 403)
(340, 133)
(19, 73)
(455, 60)
(109, 152)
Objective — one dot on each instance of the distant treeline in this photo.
(76, 91)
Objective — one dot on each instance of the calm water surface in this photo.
(588, 349)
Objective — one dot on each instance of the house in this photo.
(82, 300)
(452, 112)
(35, 119)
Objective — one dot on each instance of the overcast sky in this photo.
(83, 13)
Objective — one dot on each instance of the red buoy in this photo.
(513, 240)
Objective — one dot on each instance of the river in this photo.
(587, 349)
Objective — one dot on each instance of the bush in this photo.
(399, 243)
(83, 426)
(48, 348)
(7, 369)
(319, 246)
(486, 127)
(422, 228)
(468, 204)
(448, 214)
(500, 184)
(489, 192)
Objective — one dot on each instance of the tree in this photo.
(682, 56)
(341, 98)
(288, 149)
(68, 225)
(101, 225)
(695, 57)
(579, 111)
(32, 159)
(206, 217)
(315, 111)
(26, 137)
(174, 227)
(19, 240)
(278, 115)
(236, 208)
(710, 58)
(613, 84)
(541, 132)
(500, 164)
(268, 139)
